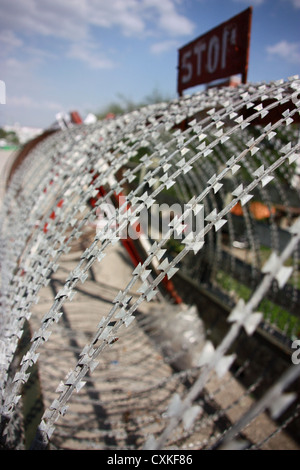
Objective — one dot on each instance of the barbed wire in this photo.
(48, 204)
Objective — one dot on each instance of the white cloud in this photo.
(125, 14)
(295, 3)
(252, 2)
(287, 51)
(9, 41)
(48, 18)
(21, 101)
(163, 46)
(25, 101)
(87, 52)
(168, 18)
(73, 21)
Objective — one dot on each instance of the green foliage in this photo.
(126, 105)
(273, 313)
(10, 137)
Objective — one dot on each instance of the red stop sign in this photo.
(221, 52)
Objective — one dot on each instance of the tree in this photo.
(10, 137)
(126, 105)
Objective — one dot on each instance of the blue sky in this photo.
(60, 55)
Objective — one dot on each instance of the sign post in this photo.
(221, 52)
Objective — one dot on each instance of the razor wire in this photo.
(243, 315)
(47, 206)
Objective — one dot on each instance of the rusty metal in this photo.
(220, 53)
